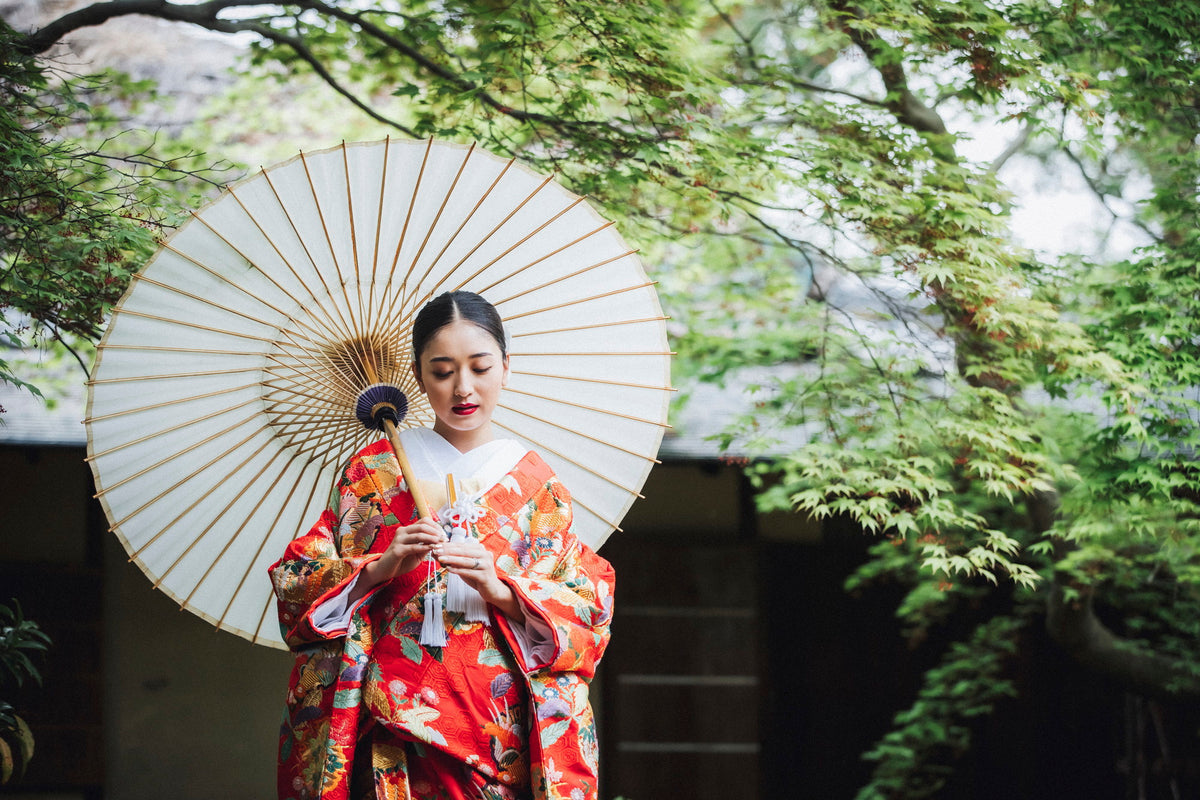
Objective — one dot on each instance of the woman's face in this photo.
(461, 371)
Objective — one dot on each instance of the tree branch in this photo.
(907, 107)
(432, 67)
(1075, 628)
(83, 365)
(203, 14)
(206, 15)
(621, 141)
(1014, 147)
(1102, 195)
(324, 74)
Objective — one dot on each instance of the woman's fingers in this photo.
(471, 561)
(413, 543)
(424, 532)
(474, 563)
(463, 554)
(427, 529)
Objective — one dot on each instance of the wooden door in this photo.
(681, 678)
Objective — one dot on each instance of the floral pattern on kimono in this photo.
(470, 704)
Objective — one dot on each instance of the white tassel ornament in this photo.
(461, 598)
(433, 628)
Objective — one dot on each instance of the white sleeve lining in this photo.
(334, 614)
(535, 638)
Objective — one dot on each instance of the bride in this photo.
(445, 657)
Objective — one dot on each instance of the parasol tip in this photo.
(379, 402)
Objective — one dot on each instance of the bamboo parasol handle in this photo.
(406, 469)
(372, 408)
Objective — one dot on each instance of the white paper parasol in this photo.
(223, 396)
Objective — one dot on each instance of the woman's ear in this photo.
(504, 375)
(416, 371)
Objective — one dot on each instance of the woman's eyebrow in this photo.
(473, 355)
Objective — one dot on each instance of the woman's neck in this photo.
(464, 441)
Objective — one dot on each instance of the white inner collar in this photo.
(433, 458)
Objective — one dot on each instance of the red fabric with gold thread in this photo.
(441, 722)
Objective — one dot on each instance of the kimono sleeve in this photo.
(567, 586)
(322, 564)
(310, 572)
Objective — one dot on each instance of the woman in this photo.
(394, 696)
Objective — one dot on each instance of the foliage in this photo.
(588, 90)
(834, 244)
(915, 758)
(19, 638)
(81, 206)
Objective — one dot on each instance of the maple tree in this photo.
(1010, 424)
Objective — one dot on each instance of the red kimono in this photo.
(370, 707)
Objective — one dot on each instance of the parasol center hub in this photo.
(380, 402)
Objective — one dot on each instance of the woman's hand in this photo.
(410, 545)
(471, 561)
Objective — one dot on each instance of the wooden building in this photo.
(737, 661)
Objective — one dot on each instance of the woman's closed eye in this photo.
(441, 376)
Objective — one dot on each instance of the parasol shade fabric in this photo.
(223, 397)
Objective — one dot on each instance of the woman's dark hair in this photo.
(450, 306)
